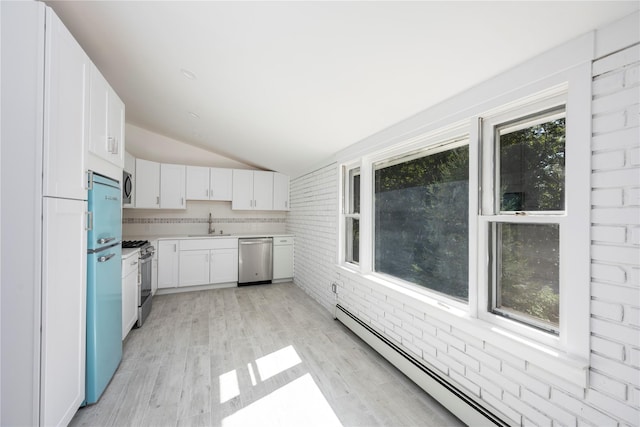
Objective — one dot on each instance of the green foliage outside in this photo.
(532, 177)
(421, 221)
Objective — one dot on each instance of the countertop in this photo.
(206, 236)
(127, 252)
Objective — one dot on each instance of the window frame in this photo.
(349, 171)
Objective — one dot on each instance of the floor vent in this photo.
(461, 404)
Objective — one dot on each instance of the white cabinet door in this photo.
(224, 265)
(147, 184)
(262, 190)
(66, 109)
(98, 112)
(252, 190)
(242, 190)
(129, 293)
(115, 126)
(220, 186)
(64, 276)
(168, 263)
(282, 261)
(172, 186)
(197, 183)
(106, 120)
(194, 268)
(129, 163)
(280, 192)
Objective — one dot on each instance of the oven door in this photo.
(144, 288)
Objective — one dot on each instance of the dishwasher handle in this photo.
(254, 242)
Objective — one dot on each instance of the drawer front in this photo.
(129, 264)
(277, 241)
(200, 244)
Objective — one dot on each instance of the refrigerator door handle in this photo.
(106, 257)
(103, 240)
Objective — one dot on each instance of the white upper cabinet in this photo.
(172, 186)
(65, 118)
(252, 190)
(205, 183)
(280, 192)
(106, 121)
(220, 184)
(147, 185)
(197, 183)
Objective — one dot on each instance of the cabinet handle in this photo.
(134, 262)
(157, 200)
(207, 192)
(175, 248)
(182, 201)
(89, 221)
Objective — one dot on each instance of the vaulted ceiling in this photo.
(284, 85)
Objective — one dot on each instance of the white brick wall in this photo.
(313, 220)
(526, 394)
(615, 255)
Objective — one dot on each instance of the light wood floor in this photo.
(263, 355)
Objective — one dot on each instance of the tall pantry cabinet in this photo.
(45, 123)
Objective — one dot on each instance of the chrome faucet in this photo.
(212, 230)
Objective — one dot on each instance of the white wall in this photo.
(523, 393)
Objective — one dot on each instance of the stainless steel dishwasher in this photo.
(255, 260)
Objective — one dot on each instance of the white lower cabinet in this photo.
(168, 263)
(129, 292)
(224, 265)
(283, 257)
(208, 261)
(194, 267)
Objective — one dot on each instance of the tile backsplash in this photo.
(195, 220)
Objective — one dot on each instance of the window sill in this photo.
(535, 357)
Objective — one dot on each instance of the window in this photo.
(525, 218)
(487, 215)
(530, 179)
(352, 215)
(421, 218)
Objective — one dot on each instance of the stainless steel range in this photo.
(144, 276)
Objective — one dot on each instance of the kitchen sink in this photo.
(209, 235)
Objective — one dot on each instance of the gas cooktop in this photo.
(134, 243)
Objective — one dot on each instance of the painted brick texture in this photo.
(313, 219)
(521, 392)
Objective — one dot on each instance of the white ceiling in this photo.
(285, 85)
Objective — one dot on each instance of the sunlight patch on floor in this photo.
(229, 387)
(276, 362)
(299, 403)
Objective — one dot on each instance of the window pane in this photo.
(528, 271)
(532, 167)
(355, 190)
(353, 240)
(421, 221)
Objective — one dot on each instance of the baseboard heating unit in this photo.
(466, 407)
